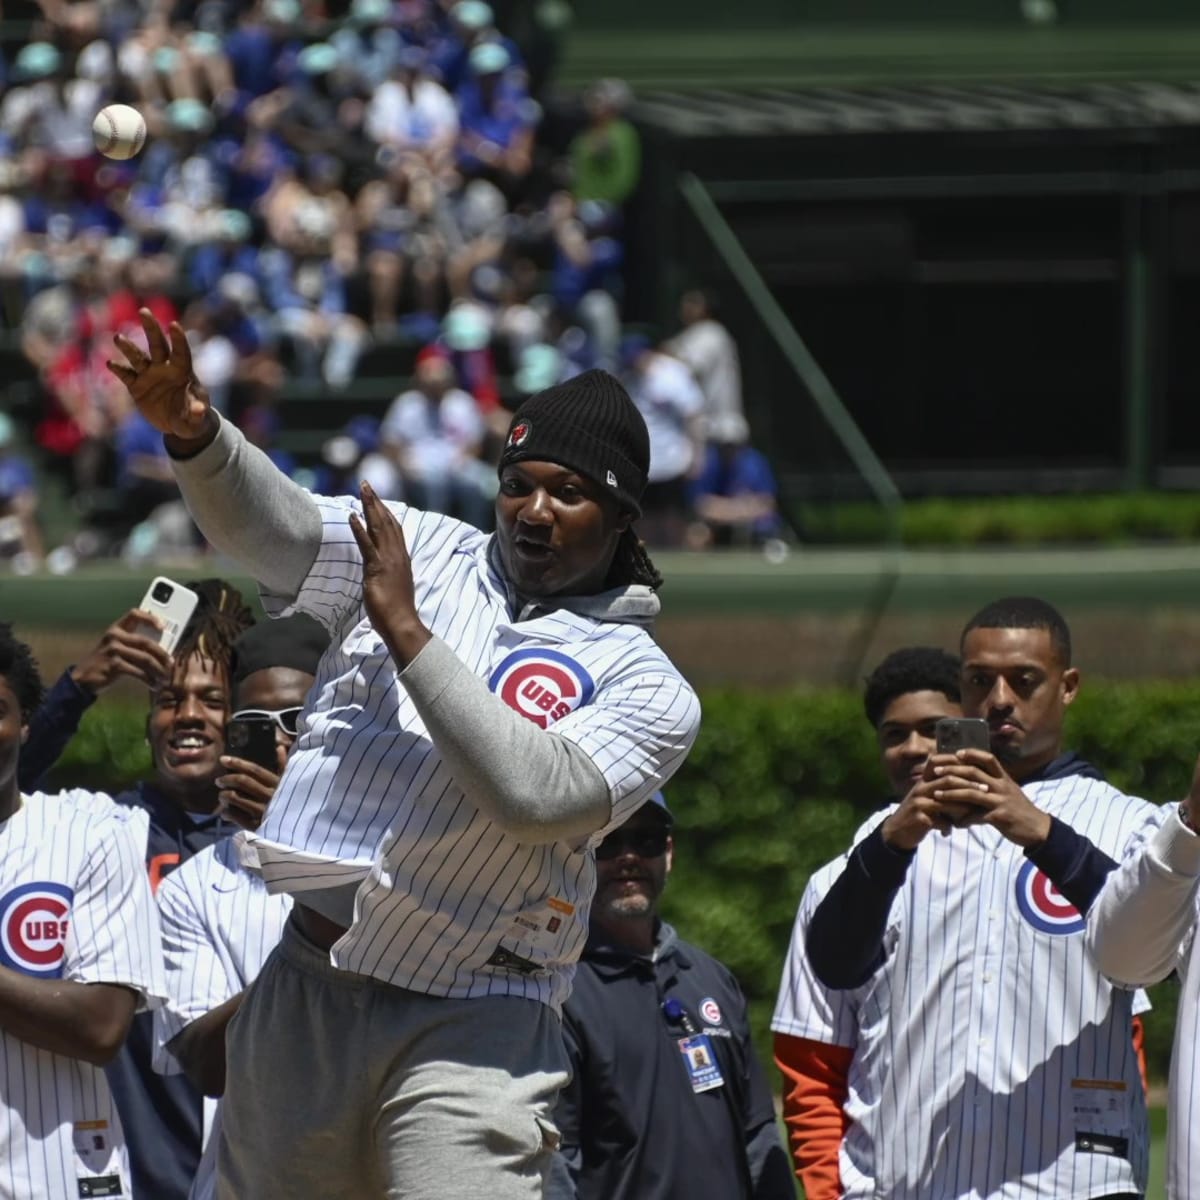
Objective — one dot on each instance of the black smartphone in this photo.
(252, 738)
(962, 733)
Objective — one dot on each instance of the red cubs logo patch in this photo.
(1044, 906)
(34, 921)
(542, 685)
(710, 1011)
(519, 433)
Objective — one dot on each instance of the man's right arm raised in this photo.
(242, 503)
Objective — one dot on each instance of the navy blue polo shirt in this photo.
(632, 1126)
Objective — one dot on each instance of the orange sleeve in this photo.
(1139, 1048)
(814, 1095)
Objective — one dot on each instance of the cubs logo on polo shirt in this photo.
(1044, 906)
(542, 685)
(34, 919)
(710, 1011)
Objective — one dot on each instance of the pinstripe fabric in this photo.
(219, 925)
(1154, 926)
(367, 799)
(88, 852)
(806, 1008)
(971, 1034)
(1183, 1099)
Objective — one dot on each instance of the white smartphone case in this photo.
(173, 604)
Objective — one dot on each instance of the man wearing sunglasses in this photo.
(274, 666)
(219, 922)
(667, 1100)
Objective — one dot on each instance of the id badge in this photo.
(701, 1062)
(96, 1160)
(1103, 1122)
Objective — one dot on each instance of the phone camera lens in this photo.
(162, 593)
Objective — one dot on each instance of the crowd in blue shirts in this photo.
(314, 184)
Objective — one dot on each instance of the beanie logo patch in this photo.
(610, 479)
(519, 434)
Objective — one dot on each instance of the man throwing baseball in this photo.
(490, 707)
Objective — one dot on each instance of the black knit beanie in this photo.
(296, 642)
(588, 424)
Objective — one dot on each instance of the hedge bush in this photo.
(1013, 520)
(776, 785)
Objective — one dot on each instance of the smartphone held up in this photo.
(252, 738)
(962, 733)
(173, 604)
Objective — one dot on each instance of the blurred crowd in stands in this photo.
(317, 184)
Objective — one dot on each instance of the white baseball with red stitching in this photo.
(119, 131)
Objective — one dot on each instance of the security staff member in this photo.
(667, 1099)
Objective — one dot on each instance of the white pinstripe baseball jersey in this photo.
(75, 905)
(219, 925)
(996, 1061)
(367, 799)
(806, 1008)
(1143, 926)
(856, 1019)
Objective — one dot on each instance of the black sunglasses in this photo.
(645, 845)
(288, 719)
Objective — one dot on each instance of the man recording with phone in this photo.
(1001, 1028)
(189, 704)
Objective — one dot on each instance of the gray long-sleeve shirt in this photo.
(538, 788)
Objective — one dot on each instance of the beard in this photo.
(636, 904)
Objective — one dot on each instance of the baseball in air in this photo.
(119, 131)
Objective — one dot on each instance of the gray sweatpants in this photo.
(340, 1087)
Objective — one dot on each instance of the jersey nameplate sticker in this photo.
(34, 921)
(542, 685)
(1044, 906)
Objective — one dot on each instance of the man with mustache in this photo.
(667, 1100)
(1008, 1066)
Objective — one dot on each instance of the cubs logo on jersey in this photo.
(1044, 906)
(542, 685)
(34, 920)
(710, 1010)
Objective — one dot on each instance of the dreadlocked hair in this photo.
(220, 618)
(631, 563)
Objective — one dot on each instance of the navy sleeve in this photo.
(845, 936)
(568, 1160)
(50, 729)
(1076, 867)
(766, 1159)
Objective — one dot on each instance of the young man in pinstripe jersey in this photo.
(1004, 1062)
(488, 710)
(79, 955)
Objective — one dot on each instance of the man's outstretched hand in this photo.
(163, 385)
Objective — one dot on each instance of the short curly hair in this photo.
(913, 669)
(20, 671)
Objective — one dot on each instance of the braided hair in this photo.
(631, 564)
(219, 620)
